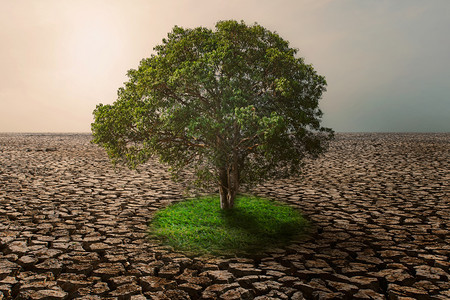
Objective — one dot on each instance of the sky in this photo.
(387, 63)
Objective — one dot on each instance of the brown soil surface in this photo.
(73, 227)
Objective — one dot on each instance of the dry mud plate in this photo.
(73, 227)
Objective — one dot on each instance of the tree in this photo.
(233, 104)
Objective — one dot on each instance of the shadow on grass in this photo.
(257, 225)
(263, 230)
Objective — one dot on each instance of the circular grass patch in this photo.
(199, 226)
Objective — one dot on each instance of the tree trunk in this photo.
(228, 175)
(228, 186)
(226, 198)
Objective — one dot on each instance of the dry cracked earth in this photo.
(72, 227)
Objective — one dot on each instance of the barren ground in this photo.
(73, 227)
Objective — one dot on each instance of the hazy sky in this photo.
(387, 63)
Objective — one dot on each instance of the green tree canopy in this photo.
(234, 104)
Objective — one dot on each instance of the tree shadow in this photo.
(264, 237)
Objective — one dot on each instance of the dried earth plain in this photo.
(73, 227)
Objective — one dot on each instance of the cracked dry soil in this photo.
(72, 227)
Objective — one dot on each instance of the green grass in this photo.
(199, 226)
